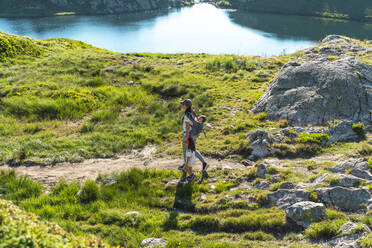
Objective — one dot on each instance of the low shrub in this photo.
(259, 236)
(89, 192)
(205, 224)
(317, 138)
(283, 123)
(359, 129)
(324, 230)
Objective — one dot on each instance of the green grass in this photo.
(72, 101)
(107, 211)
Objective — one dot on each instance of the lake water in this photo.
(198, 29)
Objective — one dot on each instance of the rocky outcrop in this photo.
(319, 90)
(306, 212)
(261, 143)
(344, 198)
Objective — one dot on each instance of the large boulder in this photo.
(306, 212)
(344, 198)
(319, 91)
(283, 198)
(261, 143)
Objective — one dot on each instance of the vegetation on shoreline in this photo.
(335, 9)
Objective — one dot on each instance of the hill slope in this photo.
(69, 101)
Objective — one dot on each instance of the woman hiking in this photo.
(189, 120)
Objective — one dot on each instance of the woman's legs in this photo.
(198, 154)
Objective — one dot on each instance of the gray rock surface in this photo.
(306, 212)
(319, 90)
(361, 174)
(154, 243)
(262, 185)
(344, 198)
(349, 181)
(261, 170)
(342, 131)
(284, 198)
(261, 143)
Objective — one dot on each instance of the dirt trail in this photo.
(90, 169)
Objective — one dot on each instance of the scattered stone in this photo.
(109, 180)
(171, 183)
(349, 181)
(361, 174)
(343, 166)
(203, 197)
(261, 170)
(227, 168)
(261, 143)
(262, 185)
(348, 227)
(287, 185)
(247, 163)
(154, 243)
(344, 198)
(284, 198)
(306, 212)
(320, 179)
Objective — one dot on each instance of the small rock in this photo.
(361, 174)
(349, 181)
(226, 168)
(284, 198)
(203, 197)
(247, 163)
(261, 143)
(154, 243)
(321, 178)
(306, 212)
(261, 170)
(343, 166)
(348, 227)
(171, 183)
(287, 185)
(262, 185)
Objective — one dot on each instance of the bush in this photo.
(317, 138)
(324, 230)
(18, 188)
(359, 128)
(261, 117)
(90, 192)
(283, 123)
(205, 224)
(259, 236)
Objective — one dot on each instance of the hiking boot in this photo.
(182, 167)
(205, 166)
(191, 178)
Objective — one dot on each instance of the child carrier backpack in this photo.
(197, 127)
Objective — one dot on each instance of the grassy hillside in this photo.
(70, 101)
(63, 100)
(20, 229)
(342, 9)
